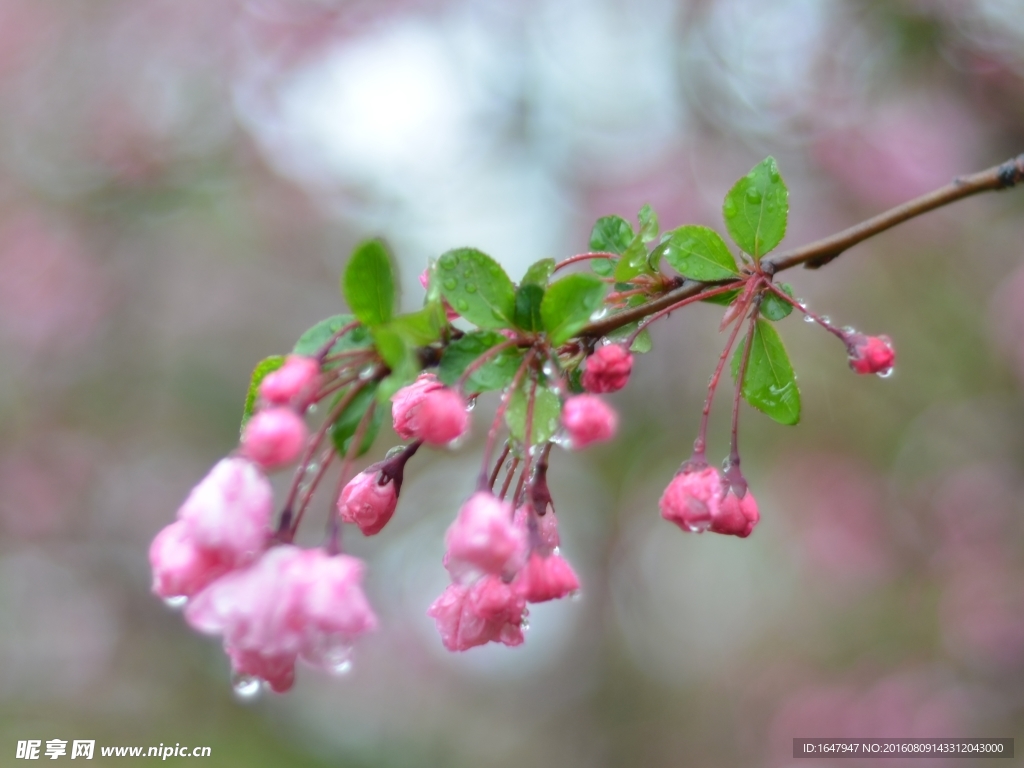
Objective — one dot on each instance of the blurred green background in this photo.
(180, 183)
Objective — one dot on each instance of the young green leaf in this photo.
(477, 288)
(369, 285)
(603, 267)
(699, 253)
(496, 373)
(648, 223)
(641, 344)
(400, 356)
(547, 411)
(528, 301)
(611, 234)
(539, 273)
(634, 261)
(756, 209)
(770, 384)
(774, 308)
(313, 340)
(263, 367)
(568, 305)
(344, 428)
(422, 327)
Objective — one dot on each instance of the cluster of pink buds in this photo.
(552, 348)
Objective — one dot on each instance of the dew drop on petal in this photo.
(886, 373)
(246, 687)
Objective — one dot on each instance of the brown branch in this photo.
(821, 252)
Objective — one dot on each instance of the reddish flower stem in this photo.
(322, 352)
(498, 463)
(700, 444)
(509, 476)
(733, 474)
(669, 310)
(797, 305)
(492, 435)
(476, 364)
(325, 460)
(584, 257)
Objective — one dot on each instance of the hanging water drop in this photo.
(597, 314)
(470, 404)
(886, 373)
(548, 369)
(808, 319)
(246, 687)
(176, 603)
(367, 373)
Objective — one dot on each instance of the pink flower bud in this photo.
(294, 383)
(607, 369)
(289, 604)
(547, 538)
(692, 499)
(406, 402)
(736, 517)
(484, 538)
(274, 438)
(487, 611)
(180, 568)
(441, 417)
(546, 578)
(278, 670)
(871, 354)
(367, 503)
(229, 511)
(588, 419)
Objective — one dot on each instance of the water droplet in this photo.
(462, 305)
(826, 319)
(729, 209)
(885, 374)
(450, 284)
(367, 372)
(699, 526)
(548, 369)
(576, 595)
(470, 404)
(525, 624)
(448, 261)
(457, 443)
(394, 451)
(311, 409)
(808, 319)
(246, 687)
(753, 195)
(175, 603)
(562, 440)
(849, 329)
(773, 173)
(470, 287)
(598, 314)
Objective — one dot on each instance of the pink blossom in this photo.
(368, 502)
(608, 369)
(692, 499)
(290, 604)
(441, 417)
(546, 539)
(294, 383)
(545, 578)
(406, 402)
(736, 516)
(871, 354)
(484, 537)
(588, 419)
(229, 511)
(487, 611)
(274, 437)
(180, 567)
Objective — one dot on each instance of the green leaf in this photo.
(528, 301)
(477, 288)
(641, 344)
(568, 305)
(723, 299)
(369, 285)
(344, 428)
(756, 208)
(603, 267)
(774, 308)
(313, 340)
(539, 273)
(496, 373)
(263, 367)
(634, 261)
(770, 384)
(699, 253)
(400, 357)
(611, 234)
(547, 411)
(648, 223)
(422, 327)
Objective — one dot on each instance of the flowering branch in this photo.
(551, 347)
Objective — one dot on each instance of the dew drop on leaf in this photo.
(448, 261)
(450, 284)
(729, 209)
(462, 305)
(753, 196)
(470, 287)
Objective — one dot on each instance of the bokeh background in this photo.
(180, 183)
